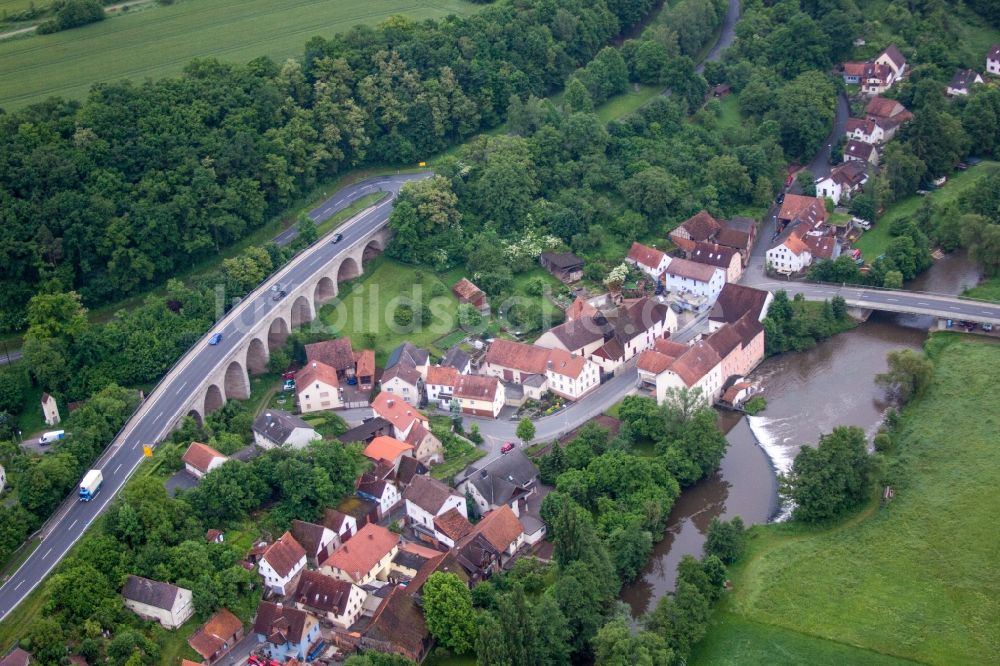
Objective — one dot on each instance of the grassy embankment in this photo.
(914, 580)
(873, 243)
(161, 40)
(988, 290)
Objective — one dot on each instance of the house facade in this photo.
(963, 81)
(214, 639)
(287, 632)
(441, 385)
(865, 130)
(381, 491)
(514, 361)
(571, 376)
(317, 540)
(790, 255)
(844, 181)
(480, 395)
(317, 387)
(426, 499)
(686, 276)
(276, 428)
(281, 563)
(167, 604)
(335, 601)
(720, 256)
(200, 459)
(649, 260)
(364, 558)
(993, 60)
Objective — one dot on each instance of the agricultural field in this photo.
(157, 41)
(914, 579)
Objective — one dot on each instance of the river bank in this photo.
(808, 393)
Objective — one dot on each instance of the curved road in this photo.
(161, 409)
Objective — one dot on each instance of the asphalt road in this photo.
(155, 417)
(10, 356)
(820, 165)
(726, 36)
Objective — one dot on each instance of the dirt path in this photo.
(112, 10)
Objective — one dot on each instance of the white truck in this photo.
(90, 485)
(52, 436)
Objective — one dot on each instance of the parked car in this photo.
(507, 448)
(780, 198)
(215, 339)
(337, 238)
(288, 375)
(987, 327)
(279, 295)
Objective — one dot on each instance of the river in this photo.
(808, 393)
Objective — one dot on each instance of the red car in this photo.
(507, 448)
(254, 660)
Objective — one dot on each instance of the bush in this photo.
(403, 316)
(726, 540)
(830, 479)
(438, 289)
(755, 405)
(71, 14)
(534, 287)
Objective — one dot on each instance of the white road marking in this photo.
(119, 467)
(921, 303)
(158, 415)
(181, 388)
(73, 523)
(46, 553)
(135, 444)
(894, 300)
(18, 585)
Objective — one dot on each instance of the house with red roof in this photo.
(336, 601)
(214, 639)
(647, 259)
(685, 276)
(479, 395)
(699, 227)
(317, 387)
(281, 563)
(290, 633)
(514, 361)
(426, 499)
(200, 459)
(389, 449)
(364, 558)
(399, 413)
(859, 151)
(468, 293)
(571, 375)
(440, 385)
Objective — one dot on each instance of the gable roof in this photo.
(452, 524)
(477, 387)
(429, 494)
(500, 479)
(500, 527)
(278, 425)
(386, 448)
(963, 79)
(748, 327)
(359, 555)
(150, 592)
(795, 244)
(893, 54)
(200, 456)
(417, 435)
(724, 340)
(518, 356)
(799, 207)
(883, 107)
(645, 255)
(820, 246)
(322, 592)
(407, 352)
(734, 238)
(467, 291)
(685, 268)
(701, 226)
(334, 519)
(579, 332)
(736, 300)
(849, 173)
(866, 125)
(335, 353)
(653, 361)
(562, 260)
(281, 624)
(696, 362)
(399, 623)
(313, 373)
(455, 358)
(566, 364)
(859, 149)
(405, 371)
(396, 411)
(441, 376)
(309, 536)
(580, 308)
(712, 254)
(214, 635)
(365, 360)
(409, 468)
(369, 428)
(854, 68)
(284, 554)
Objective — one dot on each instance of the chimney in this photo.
(390, 402)
(314, 364)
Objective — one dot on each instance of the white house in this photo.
(993, 60)
(861, 152)
(514, 361)
(364, 558)
(168, 604)
(382, 491)
(480, 395)
(317, 387)
(789, 255)
(866, 130)
(50, 410)
(507, 480)
(634, 326)
(317, 540)
(281, 563)
(405, 372)
(963, 81)
(402, 415)
(343, 524)
(336, 601)
(276, 428)
(440, 385)
(428, 498)
(649, 260)
(699, 367)
(686, 276)
(200, 459)
(893, 59)
(843, 182)
(720, 256)
(571, 375)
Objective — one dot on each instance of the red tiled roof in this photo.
(214, 634)
(735, 300)
(365, 360)
(579, 309)
(396, 411)
(315, 371)
(860, 149)
(653, 361)
(518, 356)
(359, 555)
(467, 291)
(335, 353)
(701, 226)
(645, 255)
(724, 340)
(696, 362)
(476, 387)
(442, 376)
(284, 554)
(799, 207)
(281, 623)
(883, 107)
(893, 54)
(669, 347)
(694, 270)
(386, 448)
(428, 494)
(566, 364)
(712, 254)
(322, 592)
(200, 456)
(854, 68)
(500, 527)
(452, 524)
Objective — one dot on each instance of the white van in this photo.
(49, 437)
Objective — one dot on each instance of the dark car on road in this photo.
(781, 198)
(278, 295)
(337, 238)
(507, 448)
(215, 339)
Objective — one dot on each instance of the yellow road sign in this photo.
(423, 164)
(147, 451)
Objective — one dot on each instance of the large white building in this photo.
(281, 563)
(649, 260)
(167, 604)
(843, 182)
(690, 277)
(571, 375)
(317, 387)
(426, 499)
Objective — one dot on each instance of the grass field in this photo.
(873, 243)
(161, 40)
(916, 579)
(988, 290)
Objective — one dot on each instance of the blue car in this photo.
(215, 339)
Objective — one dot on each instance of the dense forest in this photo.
(115, 193)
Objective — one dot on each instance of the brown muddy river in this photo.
(808, 393)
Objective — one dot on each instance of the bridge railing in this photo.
(932, 294)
